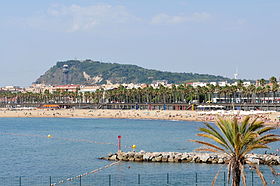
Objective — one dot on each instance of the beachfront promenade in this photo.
(158, 106)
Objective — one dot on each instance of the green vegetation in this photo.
(187, 94)
(117, 73)
(236, 140)
(182, 93)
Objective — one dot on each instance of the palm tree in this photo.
(236, 140)
(274, 86)
(262, 82)
(251, 89)
(267, 90)
(273, 80)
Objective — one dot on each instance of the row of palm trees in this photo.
(176, 94)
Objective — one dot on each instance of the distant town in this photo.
(41, 88)
(201, 95)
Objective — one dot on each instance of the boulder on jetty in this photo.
(178, 157)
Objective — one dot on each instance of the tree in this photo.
(273, 80)
(262, 82)
(274, 86)
(236, 140)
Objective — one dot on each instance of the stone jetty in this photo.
(191, 157)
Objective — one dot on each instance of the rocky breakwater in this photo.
(192, 157)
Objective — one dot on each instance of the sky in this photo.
(214, 37)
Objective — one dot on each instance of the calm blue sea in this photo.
(26, 150)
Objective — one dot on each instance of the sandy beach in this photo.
(268, 117)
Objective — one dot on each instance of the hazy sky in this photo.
(202, 36)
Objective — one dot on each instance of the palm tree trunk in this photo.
(236, 174)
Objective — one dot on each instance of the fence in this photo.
(194, 179)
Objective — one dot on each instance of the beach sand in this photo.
(181, 115)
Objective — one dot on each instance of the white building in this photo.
(200, 84)
(158, 83)
(223, 83)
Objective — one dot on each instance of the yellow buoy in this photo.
(133, 146)
(50, 136)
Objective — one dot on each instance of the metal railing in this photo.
(194, 179)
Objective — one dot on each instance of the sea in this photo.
(61, 148)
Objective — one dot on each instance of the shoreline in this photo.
(271, 118)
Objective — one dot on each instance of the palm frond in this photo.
(259, 173)
(254, 147)
(209, 144)
(244, 124)
(216, 176)
(265, 129)
(229, 169)
(216, 139)
(226, 130)
(273, 170)
(211, 130)
(206, 150)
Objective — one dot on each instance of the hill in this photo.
(95, 72)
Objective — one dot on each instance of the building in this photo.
(158, 83)
(66, 88)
